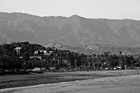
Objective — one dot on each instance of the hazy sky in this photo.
(87, 8)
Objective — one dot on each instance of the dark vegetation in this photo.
(23, 58)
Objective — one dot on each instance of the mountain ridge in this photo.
(74, 30)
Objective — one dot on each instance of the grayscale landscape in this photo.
(69, 46)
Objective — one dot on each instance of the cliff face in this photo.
(74, 30)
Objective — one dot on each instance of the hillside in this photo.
(74, 30)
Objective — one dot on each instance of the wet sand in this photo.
(120, 84)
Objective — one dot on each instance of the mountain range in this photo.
(74, 30)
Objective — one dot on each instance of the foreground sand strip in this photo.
(121, 84)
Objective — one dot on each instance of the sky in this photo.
(112, 9)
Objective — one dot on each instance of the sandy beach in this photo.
(119, 84)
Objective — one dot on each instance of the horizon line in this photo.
(72, 16)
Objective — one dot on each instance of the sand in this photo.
(120, 84)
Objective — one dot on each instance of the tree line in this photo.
(18, 57)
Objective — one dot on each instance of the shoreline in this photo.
(76, 83)
(126, 73)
